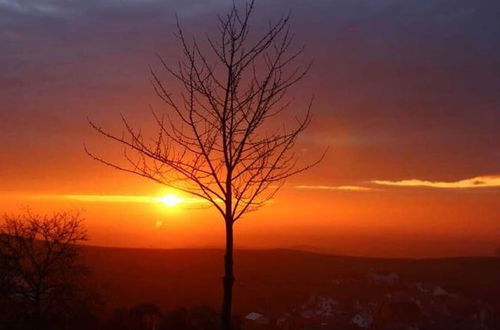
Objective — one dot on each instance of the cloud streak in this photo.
(342, 188)
(484, 181)
(113, 198)
(133, 199)
(489, 181)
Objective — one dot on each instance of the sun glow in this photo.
(170, 200)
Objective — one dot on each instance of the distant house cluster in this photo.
(381, 301)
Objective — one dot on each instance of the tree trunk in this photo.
(228, 279)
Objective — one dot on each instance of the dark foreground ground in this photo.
(276, 281)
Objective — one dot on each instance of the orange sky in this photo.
(381, 222)
(406, 99)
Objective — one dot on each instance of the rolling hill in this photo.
(270, 281)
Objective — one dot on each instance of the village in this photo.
(378, 300)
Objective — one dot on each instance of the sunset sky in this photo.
(407, 98)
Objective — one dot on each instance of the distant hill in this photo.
(267, 280)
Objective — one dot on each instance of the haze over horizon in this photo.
(406, 97)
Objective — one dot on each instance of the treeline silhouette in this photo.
(44, 284)
(150, 317)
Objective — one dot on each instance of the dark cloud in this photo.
(398, 82)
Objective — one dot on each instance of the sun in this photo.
(170, 200)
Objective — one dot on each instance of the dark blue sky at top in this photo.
(406, 84)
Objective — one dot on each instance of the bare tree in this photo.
(40, 261)
(219, 140)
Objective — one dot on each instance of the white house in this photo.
(257, 318)
(363, 319)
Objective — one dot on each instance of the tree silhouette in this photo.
(219, 141)
(40, 265)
